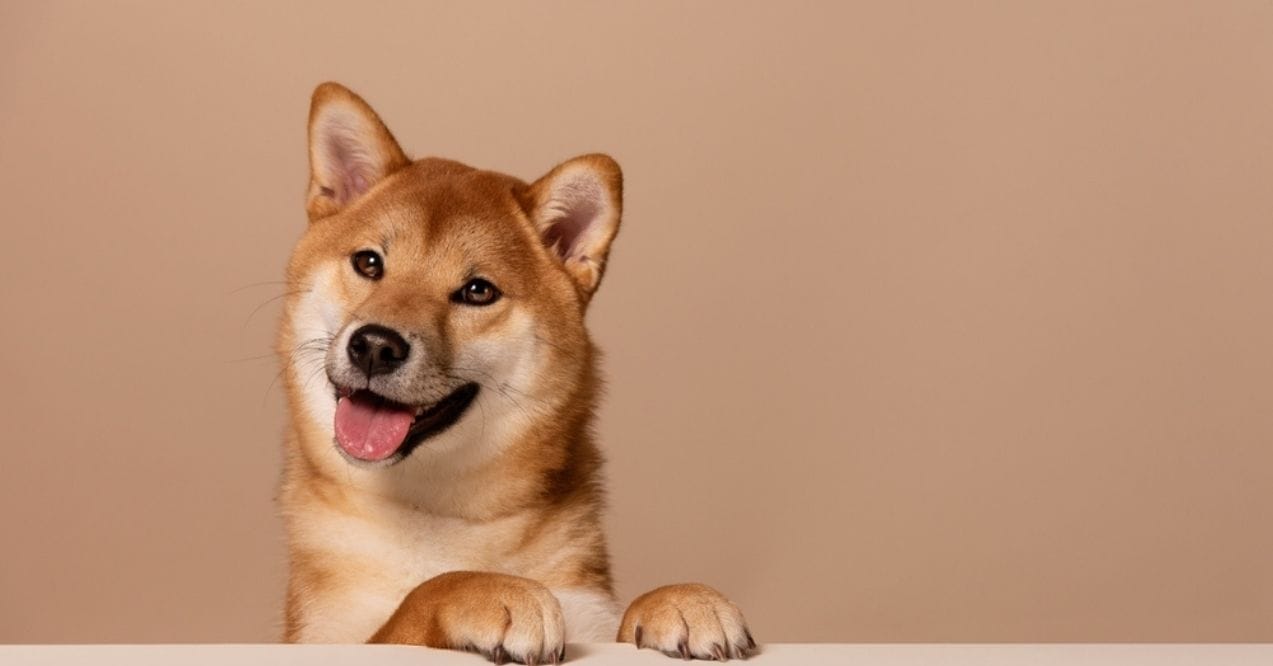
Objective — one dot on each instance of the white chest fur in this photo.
(370, 565)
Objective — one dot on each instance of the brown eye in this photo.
(368, 264)
(477, 292)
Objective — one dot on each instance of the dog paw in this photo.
(504, 618)
(688, 621)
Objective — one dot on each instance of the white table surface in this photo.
(625, 655)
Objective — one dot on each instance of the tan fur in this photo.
(469, 541)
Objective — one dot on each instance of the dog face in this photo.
(435, 309)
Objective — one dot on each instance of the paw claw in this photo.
(684, 648)
(498, 655)
(637, 637)
(751, 642)
(718, 652)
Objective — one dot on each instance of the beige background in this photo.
(943, 323)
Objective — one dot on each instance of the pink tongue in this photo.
(369, 429)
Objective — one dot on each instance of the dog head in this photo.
(434, 307)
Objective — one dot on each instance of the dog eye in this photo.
(477, 292)
(368, 264)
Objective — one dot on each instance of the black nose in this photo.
(377, 350)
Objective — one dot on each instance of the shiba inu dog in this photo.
(441, 484)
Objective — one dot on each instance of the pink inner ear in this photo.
(350, 166)
(574, 207)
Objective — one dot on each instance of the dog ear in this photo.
(576, 208)
(350, 150)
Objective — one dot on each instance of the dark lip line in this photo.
(440, 417)
(435, 420)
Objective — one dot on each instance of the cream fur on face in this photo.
(508, 367)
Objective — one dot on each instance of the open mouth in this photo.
(372, 428)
